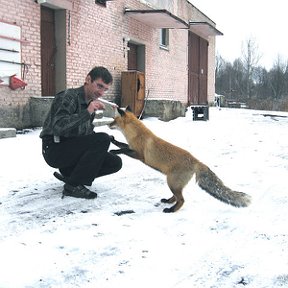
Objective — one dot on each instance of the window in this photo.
(101, 2)
(164, 38)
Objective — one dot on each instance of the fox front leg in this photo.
(118, 144)
(124, 149)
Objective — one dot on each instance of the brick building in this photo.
(52, 44)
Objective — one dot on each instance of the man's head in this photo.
(97, 82)
(101, 72)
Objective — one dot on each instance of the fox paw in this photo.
(168, 210)
(112, 139)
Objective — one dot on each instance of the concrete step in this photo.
(7, 132)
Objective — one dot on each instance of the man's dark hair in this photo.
(101, 72)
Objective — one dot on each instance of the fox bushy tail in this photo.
(209, 182)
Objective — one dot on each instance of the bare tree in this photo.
(244, 79)
(220, 62)
(250, 58)
(277, 77)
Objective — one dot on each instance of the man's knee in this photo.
(102, 139)
(118, 163)
(114, 162)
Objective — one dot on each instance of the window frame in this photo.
(164, 38)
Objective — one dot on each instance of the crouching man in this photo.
(69, 142)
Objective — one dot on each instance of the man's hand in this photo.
(95, 105)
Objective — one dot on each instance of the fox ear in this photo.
(128, 108)
(120, 111)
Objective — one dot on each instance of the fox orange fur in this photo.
(176, 163)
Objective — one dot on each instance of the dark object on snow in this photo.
(200, 112)
(274, 117)
(242, 281)
(120, 213)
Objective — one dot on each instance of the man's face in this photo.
(95, 89)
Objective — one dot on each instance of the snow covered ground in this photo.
(46, 241)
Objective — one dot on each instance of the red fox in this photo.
(176, 163)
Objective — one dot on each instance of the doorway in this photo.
(48, 51)
(136, 57)
(53, 51)
(197, 70)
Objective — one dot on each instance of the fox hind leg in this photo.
(178, 197)
(176, 182)
(176, 189)
(169, 200)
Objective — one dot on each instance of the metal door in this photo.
(197, 69)
(203, 71)
(48, 51)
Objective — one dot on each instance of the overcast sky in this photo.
(264, 21)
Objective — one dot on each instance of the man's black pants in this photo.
(81, 159)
